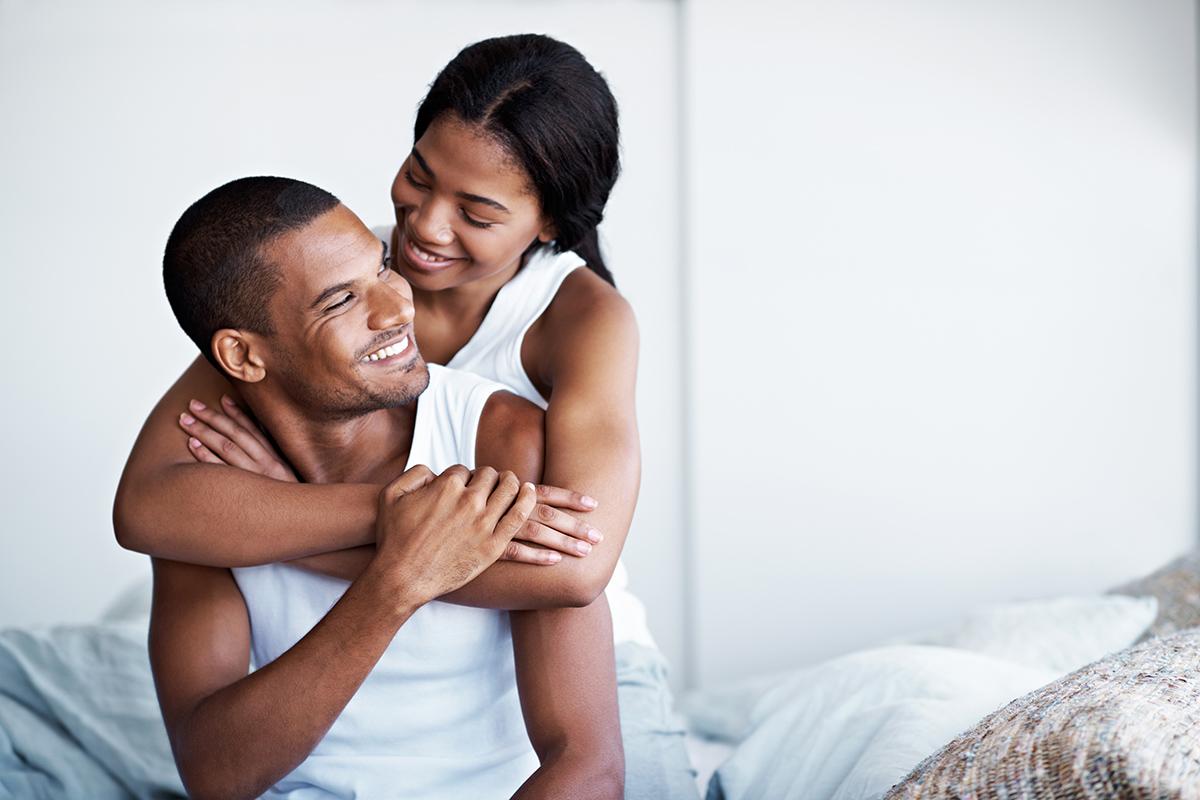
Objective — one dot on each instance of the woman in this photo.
(516, 151)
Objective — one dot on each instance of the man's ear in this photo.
(240, 355)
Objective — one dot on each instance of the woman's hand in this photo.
(228, 436)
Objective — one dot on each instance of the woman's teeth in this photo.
(425, 255)
(387, 352)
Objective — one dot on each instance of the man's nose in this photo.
(389, 308)
(431, 222)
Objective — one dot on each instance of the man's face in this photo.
(344, 342)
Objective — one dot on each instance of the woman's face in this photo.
(465, 210)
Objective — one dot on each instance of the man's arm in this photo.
(233, 734)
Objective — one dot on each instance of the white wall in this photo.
(942, 311)
(937, 280)
(118, 115)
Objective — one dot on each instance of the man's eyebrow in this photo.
(471, 198)
(330, 292)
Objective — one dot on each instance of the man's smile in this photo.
(392, 353)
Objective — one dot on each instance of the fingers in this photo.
(533, 531)
(514, 518)
(564, 498)
(502, 497)
(524, 554)
(565, 523)
(202, 453)
(223, 436)
(410, 480)
(483, 481)
(457, 473)
(237, 415)
(220, 447)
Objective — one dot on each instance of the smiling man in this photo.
(374, 687)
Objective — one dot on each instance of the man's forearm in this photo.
(226, 517)
(245, 737)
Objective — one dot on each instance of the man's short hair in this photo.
(214, 270)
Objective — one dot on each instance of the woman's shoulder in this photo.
(584, 298)
(588, 316)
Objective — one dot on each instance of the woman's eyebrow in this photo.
(471, 198)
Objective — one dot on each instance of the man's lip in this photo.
(408, 349)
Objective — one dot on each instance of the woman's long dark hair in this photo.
(547, 106)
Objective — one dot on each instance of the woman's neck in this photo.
(448, 318)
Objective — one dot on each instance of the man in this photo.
(373, 688)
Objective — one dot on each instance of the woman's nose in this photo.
(431, 223)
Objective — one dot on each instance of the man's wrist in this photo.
(393, 588)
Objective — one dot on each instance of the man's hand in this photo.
(229, 436)
(439, 532)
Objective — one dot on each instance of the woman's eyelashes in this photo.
(475, 222)
(424, 187)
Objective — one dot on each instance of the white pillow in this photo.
(852, 727)
(1061, 634)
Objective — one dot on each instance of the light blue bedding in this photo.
(78, 715)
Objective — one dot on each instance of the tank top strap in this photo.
(448, 414)
(495, 349)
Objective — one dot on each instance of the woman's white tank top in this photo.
(439, 716)
(495, 353)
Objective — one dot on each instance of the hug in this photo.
(386, 504)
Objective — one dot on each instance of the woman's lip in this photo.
(418, 263)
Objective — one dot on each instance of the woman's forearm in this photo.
(226, 517)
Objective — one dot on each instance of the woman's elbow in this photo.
(126, 522)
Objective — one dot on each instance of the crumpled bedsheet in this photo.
(79, 717)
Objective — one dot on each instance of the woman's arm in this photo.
(187, 504)
(172, 507)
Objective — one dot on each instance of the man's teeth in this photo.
(387, 352)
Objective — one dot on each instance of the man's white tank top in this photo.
(495, 353)
(439, 716)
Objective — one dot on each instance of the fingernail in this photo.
(554, 558)
(588, 501)
(226, 399)
(196, 405)
(186, 418)
(528, 485)
(583, 547)
(595, 535)
(194, 442)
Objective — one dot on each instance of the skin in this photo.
(433, 533)
(581, 354)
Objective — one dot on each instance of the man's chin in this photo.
(409, 382)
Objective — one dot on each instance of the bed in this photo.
(78, 715)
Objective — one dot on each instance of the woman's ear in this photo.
(238, 354)
(548, 233)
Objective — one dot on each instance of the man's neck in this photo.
(372, 448)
